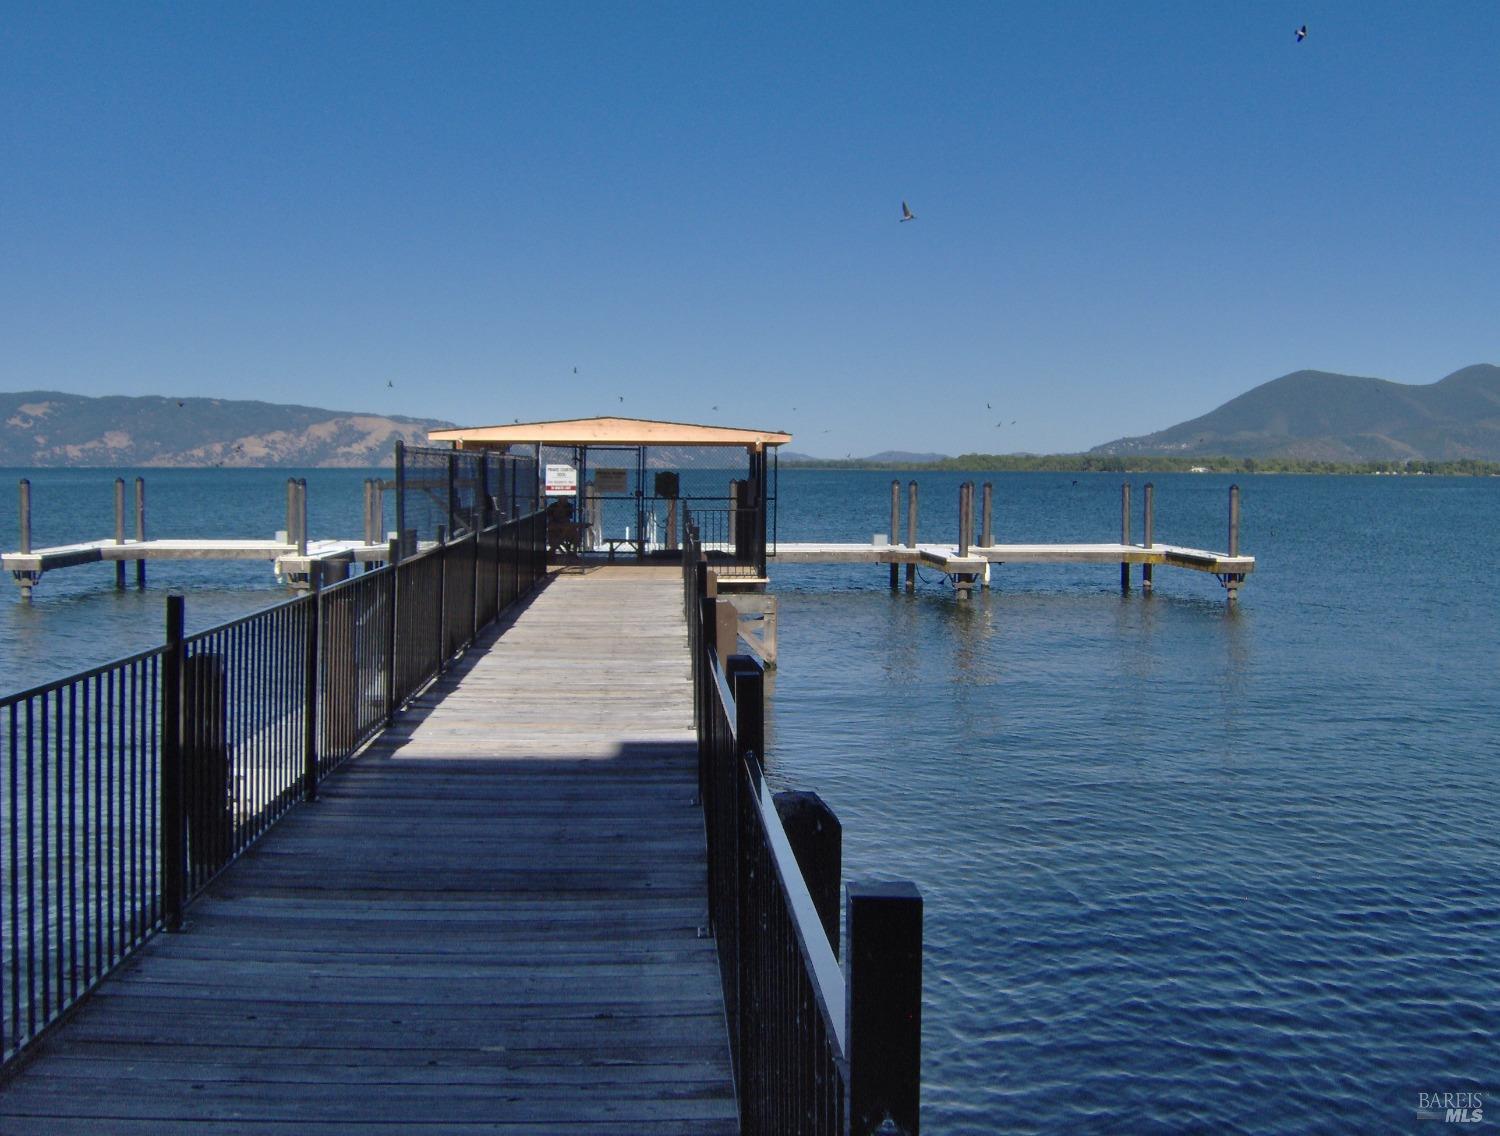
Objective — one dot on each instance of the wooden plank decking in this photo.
(488, 923)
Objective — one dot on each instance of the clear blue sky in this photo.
(1126, 214)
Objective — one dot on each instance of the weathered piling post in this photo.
(25, 514)
(883, 1009)
(369, 516)
(173, 836)
(1124, 533)
(1150, 518)
(963, 582)
(964, 506)
(895, 528)
(987, 515)
(817, 840)
(1232, 582)
(119, 531)
(911, 532)
(140, 530)
(27, 579)
(302, 516)
(291, 510)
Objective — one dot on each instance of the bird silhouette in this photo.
(1302, 33)
(622, 398)
(575, 370)
(389, 383)
(906, 213)
(987, 406)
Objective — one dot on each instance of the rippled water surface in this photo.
(1185, 868)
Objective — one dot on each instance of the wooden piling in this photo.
(26, 579)
(302, 516)
(291, 509)
(895, 529)
(1149, 521)
(883, 1010)
(963, 517)
(1232, 582)
(25, 515)
(1124, 533)
(1234, 520)
(119, 531)
(911, 532)
(987, 516)
(817, 839)
(140, 530)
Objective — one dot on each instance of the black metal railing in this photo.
(731, 536)
(815, 1048)
(126, 789)
(79, 881)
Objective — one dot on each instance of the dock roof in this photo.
(607, 431)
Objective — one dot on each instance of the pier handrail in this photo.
(814, 1049)
(125, 789)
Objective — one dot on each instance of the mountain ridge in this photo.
(1324, 416)
(53, 428)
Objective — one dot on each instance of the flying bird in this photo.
(389, 383)
(1302, 33)
(906, 213)
(622, 398)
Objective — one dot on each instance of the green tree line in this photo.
(1097, 463)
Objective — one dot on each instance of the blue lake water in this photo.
(1185, 868)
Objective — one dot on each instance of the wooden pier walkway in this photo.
(489, 922)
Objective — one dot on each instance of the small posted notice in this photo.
(561, 481)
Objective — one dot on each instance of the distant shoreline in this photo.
(1086, 463)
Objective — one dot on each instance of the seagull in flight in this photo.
(906, 213)
(389, 383)
(1302, 33)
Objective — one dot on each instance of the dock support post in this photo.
(392, 559)
(895, 529)
(173, 837)
(817, 840)
(1232, 583)
(310, 684)
(963, 582)
(883, 1007)
(987, 526)
(25, 514)
(964, 505)
(1124, 533)
(291, 511)
(140, 531)
(301, 516)
(27, 580)
(911, 532)
(119, 531)
(1150, 520)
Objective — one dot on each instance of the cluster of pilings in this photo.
(964, 582)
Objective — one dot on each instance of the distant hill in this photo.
(48, 428)
(1318, 416)
(886, 459)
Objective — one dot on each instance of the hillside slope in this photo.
(48, 428)
(1319, 416)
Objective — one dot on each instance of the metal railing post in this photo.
(173, 835)
(393, 558)
(310, 681)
